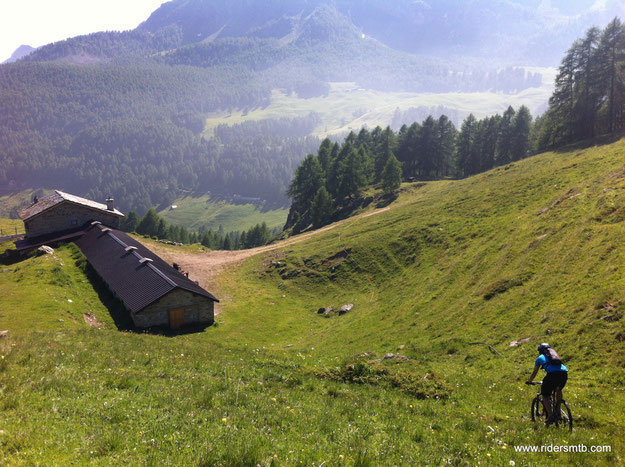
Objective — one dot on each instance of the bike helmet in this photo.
(543, 347)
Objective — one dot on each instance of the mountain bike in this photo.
(563, 417)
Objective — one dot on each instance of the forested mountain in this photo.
(123, 113)
(498, 29)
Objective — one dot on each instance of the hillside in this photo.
(532, 250)
(164, 87)
(202, 213)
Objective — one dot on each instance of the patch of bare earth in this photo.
(92, 320)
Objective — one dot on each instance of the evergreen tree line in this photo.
(330, 180)
(156, 227)
(589, 95)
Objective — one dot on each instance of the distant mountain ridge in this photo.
(20, 52)
(503, 31)
(441, 27)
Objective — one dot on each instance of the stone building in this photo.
(153, 292)
(60, 212)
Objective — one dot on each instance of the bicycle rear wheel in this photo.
(537, 409)
(565, 419)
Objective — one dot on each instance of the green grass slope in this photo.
(203, 213)
(531, 250)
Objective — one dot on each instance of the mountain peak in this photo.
(19, 53)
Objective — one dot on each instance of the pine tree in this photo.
(391, 175)
(161, 229)
(521, 127)
(504, 139)
(130, 222)
(352, 175)
(427, 149)
(446, 146)
(308, 179)
(611, 55)
(149, 224)
(466, 163)
(322, 208)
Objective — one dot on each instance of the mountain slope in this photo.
(20, 52)
(501, 30)
(533, 250)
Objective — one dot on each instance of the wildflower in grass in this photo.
(274, 399)
(224, 420)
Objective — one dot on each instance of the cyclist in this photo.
(556, 377)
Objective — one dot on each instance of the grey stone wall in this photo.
(66, 216)
(198, 309)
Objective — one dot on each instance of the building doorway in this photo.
(176, 318)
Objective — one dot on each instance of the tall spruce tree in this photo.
(520, 137)
(391, 175)
(322, 208)
(611, 61)
(308, 179)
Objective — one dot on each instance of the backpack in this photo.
(552, 357)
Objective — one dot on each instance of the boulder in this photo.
(45, 250)
(395, 356)
(4, 334)
(346, 308)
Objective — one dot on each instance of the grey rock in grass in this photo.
(346, 308)
(45, 250)
(328, 311)
(4, 334)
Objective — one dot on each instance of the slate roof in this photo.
(137, 282)
(59, 197)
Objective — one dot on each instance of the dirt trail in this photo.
(206, 267)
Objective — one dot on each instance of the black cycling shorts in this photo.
(556, 379)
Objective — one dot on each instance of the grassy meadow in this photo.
(348, 107)
(203, 212)
(11, 226)
(529, 252)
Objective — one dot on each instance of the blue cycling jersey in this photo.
(549, 367)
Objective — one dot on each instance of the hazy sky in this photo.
(39, 22)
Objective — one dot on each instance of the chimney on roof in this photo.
(110, 204)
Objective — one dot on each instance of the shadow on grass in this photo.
(116, 308)
(587, 143)
(167, 332)
(386, 200)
